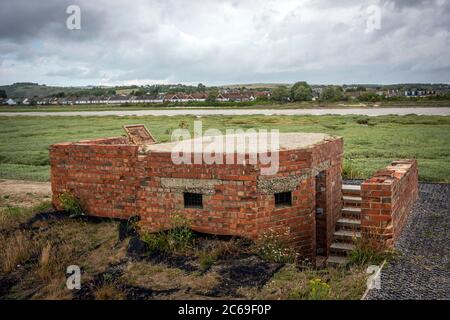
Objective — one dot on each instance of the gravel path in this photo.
(422, 270)
(442, 111)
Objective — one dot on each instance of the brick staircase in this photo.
(347, 227)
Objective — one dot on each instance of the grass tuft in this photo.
(369, 250)
(16, 250)
(179, 237)
(108, 291)
(350, 171)
(71, 204)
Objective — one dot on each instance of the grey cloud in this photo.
(224, 41)
(22, 20)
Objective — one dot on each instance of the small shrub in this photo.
(363, 121)
(206, 259)
(368, 250)
(155, 241)
(270, 247)
(315, 289)
(183, 125)
(71, 204)
(178, 238)
(318, 289)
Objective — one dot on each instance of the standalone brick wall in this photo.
(101, 173)
(387, 199)
(113, 179)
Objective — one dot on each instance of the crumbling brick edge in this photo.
(387, 199)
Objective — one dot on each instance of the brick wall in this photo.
(387, 199)
(101, 173)
(330, 154)
(112, 179)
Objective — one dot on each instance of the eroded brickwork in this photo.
(387, 199)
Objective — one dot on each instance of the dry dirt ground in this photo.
(23, 193)
(37, 245)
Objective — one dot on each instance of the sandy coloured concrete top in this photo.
(246, 142)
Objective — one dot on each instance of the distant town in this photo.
(27, 93)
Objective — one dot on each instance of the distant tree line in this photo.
(96, 92)
(302, 91)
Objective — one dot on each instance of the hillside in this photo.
(29, 89)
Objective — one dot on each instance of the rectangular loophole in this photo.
(193, 200)
(283, 199)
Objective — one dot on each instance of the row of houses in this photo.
(392, 93)
(419, 93)
(123, 99)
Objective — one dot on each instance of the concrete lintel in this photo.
(289, 183)
(321, 167)
(280, 184)
(204, 186)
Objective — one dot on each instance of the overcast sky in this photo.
(225, 42)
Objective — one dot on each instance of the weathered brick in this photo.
(396, 189)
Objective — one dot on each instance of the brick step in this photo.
(348, 224)
(351, 212)
(341, 248)
(351, 190)
(346, 235)
(351, 201)
(337, 261)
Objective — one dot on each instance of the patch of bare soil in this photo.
(241, 269)
(20, 193)
(250, 272)
(108, 285)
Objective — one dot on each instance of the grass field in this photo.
(370, 142)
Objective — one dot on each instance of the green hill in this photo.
(30, 89)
